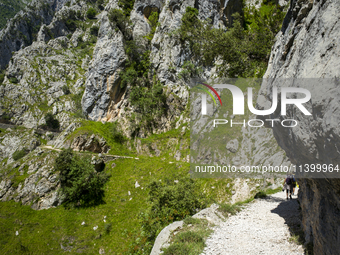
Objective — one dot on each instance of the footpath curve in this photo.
(262, 227)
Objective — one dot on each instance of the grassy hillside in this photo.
(60, 229)
(8, 9)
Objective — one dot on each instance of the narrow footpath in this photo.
(260, 228)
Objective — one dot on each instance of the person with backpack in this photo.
(288, 186)
(293, 183)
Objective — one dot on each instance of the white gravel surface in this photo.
(260, 228)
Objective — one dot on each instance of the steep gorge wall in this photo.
(307, 47)
(104, 99)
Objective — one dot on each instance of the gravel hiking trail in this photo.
(262, 227)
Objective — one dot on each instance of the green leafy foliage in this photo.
(13, 80)
(153, 21)
(170, 202)
(260, 194)
(121, 21)
(19, 154)
(80, 183)
(5, 119)
(91, 13)
(66, 90)
(229, 209)
(100, 4)
(190, 239)
(2, 77)
(71, 25)
(150, 103)
(189, 69)
(115, 134)
(94, 30)
(146, 93)
(248, 46)
(9, 8)
(78, 111)
(70, 19)
(127, 6)
(51, 121)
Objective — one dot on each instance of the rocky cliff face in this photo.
(104, 99)
(307, 48)
(48, 74)
(22, 30)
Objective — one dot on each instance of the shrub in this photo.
(188, 242)
(189, 69)
(80, 183)
(51, 121)
(170, 202)
(100, 4)
(13, 80)
(5, 119)
(153, 21)
(150, 103)
(49, 32)
(2, 77)
(19, 154)
(115, 134)
(71, 25)
(248, 41)
(94, 30)
(119, 20)
(260, 194)
(66, 90)
(127, 6)
(91, 13)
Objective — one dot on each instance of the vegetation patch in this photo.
(110, 131)
(170, 201)
(190, 239)
(51, 122)
(248, 41)
(9, 8)
(91, 13)
(19, 154)
(80, 183)
(147, 94)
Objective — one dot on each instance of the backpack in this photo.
(289, 181)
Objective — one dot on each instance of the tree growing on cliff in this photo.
(80, 183)
(51, 121)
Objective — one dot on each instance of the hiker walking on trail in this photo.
(293, 183)
(288, 186)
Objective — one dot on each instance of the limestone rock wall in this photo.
(307, 47)
(19, 31)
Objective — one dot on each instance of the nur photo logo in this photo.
(281, 99)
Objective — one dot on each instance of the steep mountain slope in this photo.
(8, 9)
(121, 65)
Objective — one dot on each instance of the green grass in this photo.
(227, 209)
(273, 191)
(264, 193)
(191, 239)
(42, 232)
(106, 131)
